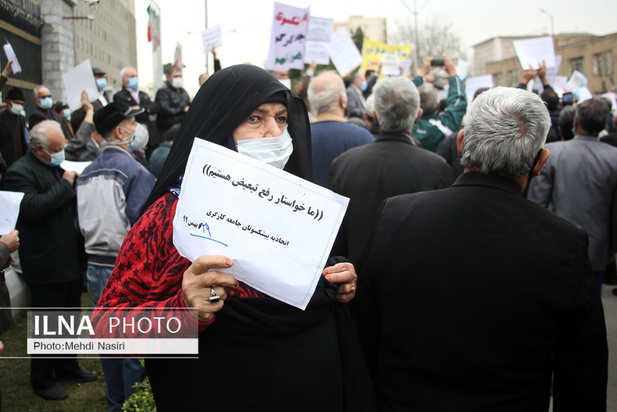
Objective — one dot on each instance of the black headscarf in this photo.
(222, 104)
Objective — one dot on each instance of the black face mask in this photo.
(535, 162)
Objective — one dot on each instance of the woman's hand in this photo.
(198, 281)
(343, 273)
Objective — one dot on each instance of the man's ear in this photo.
(375, 117)
(543, 158)
(343, 101)
(459, 142)
(420, 112)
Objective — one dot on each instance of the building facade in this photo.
(373, 28)
(594, 56)
(50, 37)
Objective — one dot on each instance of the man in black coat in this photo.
(44, 111)
(473, 298)
(390, 166)
(49, 243)
(139, 99)
(13, 133)
(173, 101)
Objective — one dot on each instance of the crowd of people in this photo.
(464, 276)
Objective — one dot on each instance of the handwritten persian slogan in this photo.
(277, 228)
(289, 28)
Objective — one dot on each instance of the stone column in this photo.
(57, 44)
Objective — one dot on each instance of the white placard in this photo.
(576, 81)
(343, 52)
(277, 228)
(560, 84)
(583, 94)
(77, 80)
(212, 37)
(474, 83)
(319, 29)
(289, 28)
(533, 52)
(10, 202)
(317, 51)
(390, 64)
(71, 166)
(462, 69)
(10, 55)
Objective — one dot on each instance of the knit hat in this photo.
(15, 94)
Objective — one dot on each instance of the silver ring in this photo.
(214, 298)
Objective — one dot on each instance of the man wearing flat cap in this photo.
(13, 132)
(77, 117)
(110, 194)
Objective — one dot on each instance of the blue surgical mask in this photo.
(66, 113)
(364, 85)
(56, 158)
(101, 83)
(46, 103)
(129, 141)
(133, 83)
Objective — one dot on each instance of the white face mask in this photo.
(16, 109)
(286, 83)
(141, 137)
(274, 151)
(176, 82)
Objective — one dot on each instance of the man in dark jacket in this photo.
(390, 166)
(44, 111)
(49, 243)
(173, 101)
(138, 99)
(473, 298)
(13, 132)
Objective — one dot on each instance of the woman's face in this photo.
(268, 120)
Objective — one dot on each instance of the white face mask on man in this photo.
(274, 151)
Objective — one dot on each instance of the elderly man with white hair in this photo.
(49, 244)
(473, 298)
(390, 166)
(331, 134)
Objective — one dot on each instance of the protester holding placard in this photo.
(269, 355)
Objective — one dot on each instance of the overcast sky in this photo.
(246, 24)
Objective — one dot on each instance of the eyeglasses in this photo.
(43, 97)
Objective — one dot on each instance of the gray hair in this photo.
(124, 69)
(504, 130)
(36, 90)
(396, 104)
(428, 99)
(38, 134)
(369, 106)
(325, 96)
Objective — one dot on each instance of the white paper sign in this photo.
(71, 166)
(77, 80)
(317, 51)
(277, 228)
(390, 64)
(533, 52)
(343, 52)
(462, 69)
(319, 29)
(576, 81)
(212, 37)
(474, 83)
(289, 28)
(560, 84)
(10, 202)
(10, 55)
(551, 75)
(584, 94)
